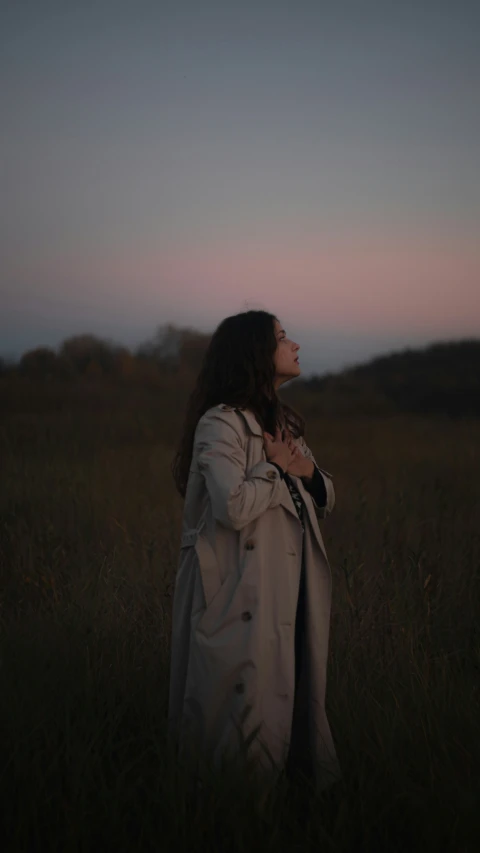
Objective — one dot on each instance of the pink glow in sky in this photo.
(366, 284)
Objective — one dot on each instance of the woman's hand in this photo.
(300, 466)
(279, 450)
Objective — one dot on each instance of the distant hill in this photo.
(443, 378)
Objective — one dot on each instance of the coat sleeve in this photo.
(324, 510)
(237, 499)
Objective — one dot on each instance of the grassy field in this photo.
(89, 527)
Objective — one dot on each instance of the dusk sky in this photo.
(182, 161)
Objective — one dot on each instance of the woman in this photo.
(252, 595)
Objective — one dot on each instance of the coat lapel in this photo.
(311, 512)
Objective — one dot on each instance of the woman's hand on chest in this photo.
(300, 466)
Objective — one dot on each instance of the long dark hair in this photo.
(237, 369)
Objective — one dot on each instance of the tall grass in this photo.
(88, 548)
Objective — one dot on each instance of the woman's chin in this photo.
(295, 372)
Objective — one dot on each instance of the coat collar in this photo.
(251, 422)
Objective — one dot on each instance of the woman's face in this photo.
(286, 357)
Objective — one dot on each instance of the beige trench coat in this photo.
(236, 590)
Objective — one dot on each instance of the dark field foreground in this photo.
(89, 526)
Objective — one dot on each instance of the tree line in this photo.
(172, 350)
(442, 378)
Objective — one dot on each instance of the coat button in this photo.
(249, 545)
(246, 616)
(240, 688)
(271, 475)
